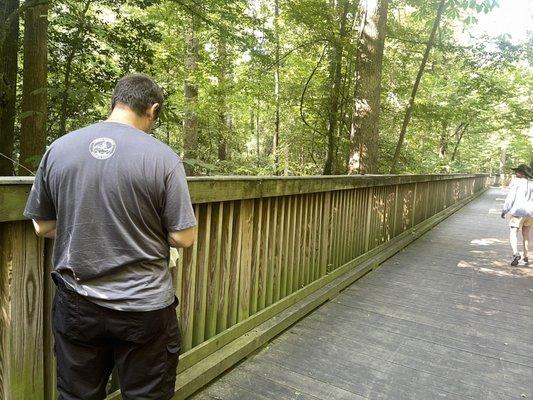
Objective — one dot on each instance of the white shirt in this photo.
(519, 200)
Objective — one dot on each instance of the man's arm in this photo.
(510, 199)
(178, 216)
(40, 207)
(46, 229)
(183, 238)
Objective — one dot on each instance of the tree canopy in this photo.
(280, 87)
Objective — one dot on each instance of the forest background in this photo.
(263, 87)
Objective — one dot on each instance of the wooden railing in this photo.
(260, 241)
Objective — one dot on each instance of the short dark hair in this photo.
(138, 92)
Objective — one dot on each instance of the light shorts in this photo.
(519, 222)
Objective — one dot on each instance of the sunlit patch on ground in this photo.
(487, 241)
(483, 252)
(477, 309)
(498, 268)
(472, 298)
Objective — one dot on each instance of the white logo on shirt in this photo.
(102, 148)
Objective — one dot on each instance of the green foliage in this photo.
(474, 97)
(103, 43)
(483, 86)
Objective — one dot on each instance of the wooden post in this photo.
(426, 200)
(225, 258)
(200, 307)
(49, 362)
(256, 254)
(263, 266)
(292, 243)
(361, 220)
(245, 265)
(271, 257)
(415, 202)
(316, 237)
(305, 248)
(214, 265)
(279, 249)
(325, 234)
(188, 291)
(370, 206)
(234, 275)
(343, 228)
(5, 313)
(285, 246)
(353, 223)
(395, 214)
(179, 279)
(297, 243)
(26, 332)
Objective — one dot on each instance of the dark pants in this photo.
(90, 340)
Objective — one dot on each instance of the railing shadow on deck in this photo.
(263, 244)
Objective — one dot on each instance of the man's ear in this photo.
(153, 111)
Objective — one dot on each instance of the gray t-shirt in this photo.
(115, 192)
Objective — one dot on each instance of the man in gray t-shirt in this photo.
(114, 198)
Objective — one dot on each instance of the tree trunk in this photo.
(459, 133)
(409, 110)
(255, 132)
(349, 89)
(225, 117)
(503, 161)
(8, 81)
(76, 43)
(335, 73)
(258, 126)
(443, 145)
(190, 121)
(365, 119)
(33, 126)
(275, 140)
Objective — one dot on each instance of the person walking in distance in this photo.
(519, 204)
(114, 198)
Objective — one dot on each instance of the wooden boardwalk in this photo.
(445, 318)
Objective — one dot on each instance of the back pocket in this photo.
(66, 313)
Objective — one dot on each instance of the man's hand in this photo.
(503, 215)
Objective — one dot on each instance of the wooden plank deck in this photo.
(445, 318)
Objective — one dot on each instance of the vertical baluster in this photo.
(215, 269)
(256, 254)
(245, 267)
(200, 308)
(233, 292)
(226, 261)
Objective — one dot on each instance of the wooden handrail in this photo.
(14, 190)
